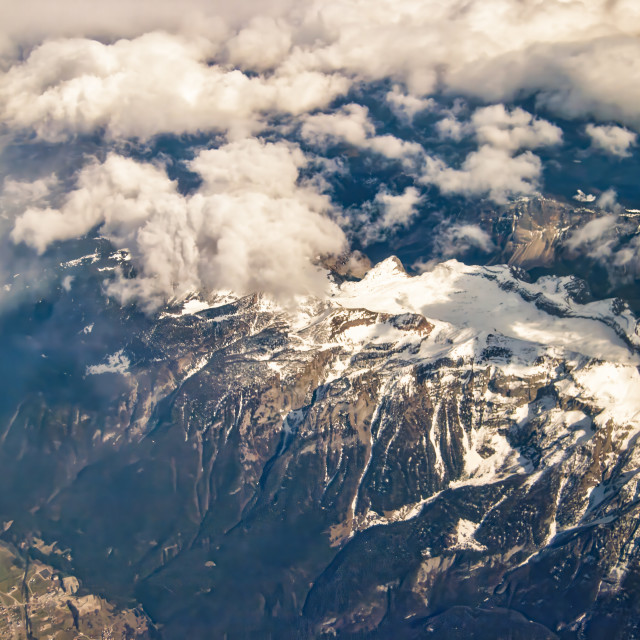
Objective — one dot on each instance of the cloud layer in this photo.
(578, 57)
(124, 73)
(153, 84)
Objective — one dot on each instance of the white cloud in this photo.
(458, 239)
(596, 239)
(608, 200)
(398, 210)
(153, 84)
(453, 239)
(611, 240)
(262, 45)
(351, 125)
(593, 77)
(614, 140)
(489, 171)
(135, 70)
(450, 127)
(513, 130)
(394, 211)
(581, 196)
(17, 195)
(494, 170)
(580, 55)
(501, 128)
(250, 227)
(406, 106)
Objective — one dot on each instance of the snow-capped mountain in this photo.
(454, 450)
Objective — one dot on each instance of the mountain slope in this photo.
(456, 450)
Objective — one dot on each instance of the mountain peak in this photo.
(391, 266)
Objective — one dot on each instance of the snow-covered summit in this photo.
(494, 300)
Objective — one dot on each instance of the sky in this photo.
(214, 142)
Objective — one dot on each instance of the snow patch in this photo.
(116, 363)
(465, 532)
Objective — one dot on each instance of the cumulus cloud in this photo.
(596, 239)
(16, 195)
(578, 57)
(608, 200)
(156, 83)
(391, 212)
(502, 128)
(489, 171)
(35, 20)
(405, 106)
(351, 125)
(262, 45)
(251, 226)
(455, 240)
(613, 242)
(581, 196)
(595, 78)
(513, 130)
(611, 139)
(451, 128)
(494, 170)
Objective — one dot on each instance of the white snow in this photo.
(115, 363)
(616, 389)
(471, 298)
(193, 306)
(93, 257)
(465, 531)
(197, 366)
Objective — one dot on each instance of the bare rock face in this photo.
(530, 233)
(449, 455)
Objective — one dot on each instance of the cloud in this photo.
(16, 195)
(489, 171)
(513, 130)
(156, 83)
(455, 240)
(578, 57)
(608, 200)
(261, 46)
(493, 170)
(122, 72)
(611, 240)
(451, 128)
(398, 210)
(35, 20)
(251, 226)
(405, 106)
(595, 77)
(581, 196)
(502, 128)
(351, 125)
(596, 239)
(392, 212)
(611, 139)
(458, 239)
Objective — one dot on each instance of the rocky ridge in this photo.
(411, 455)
